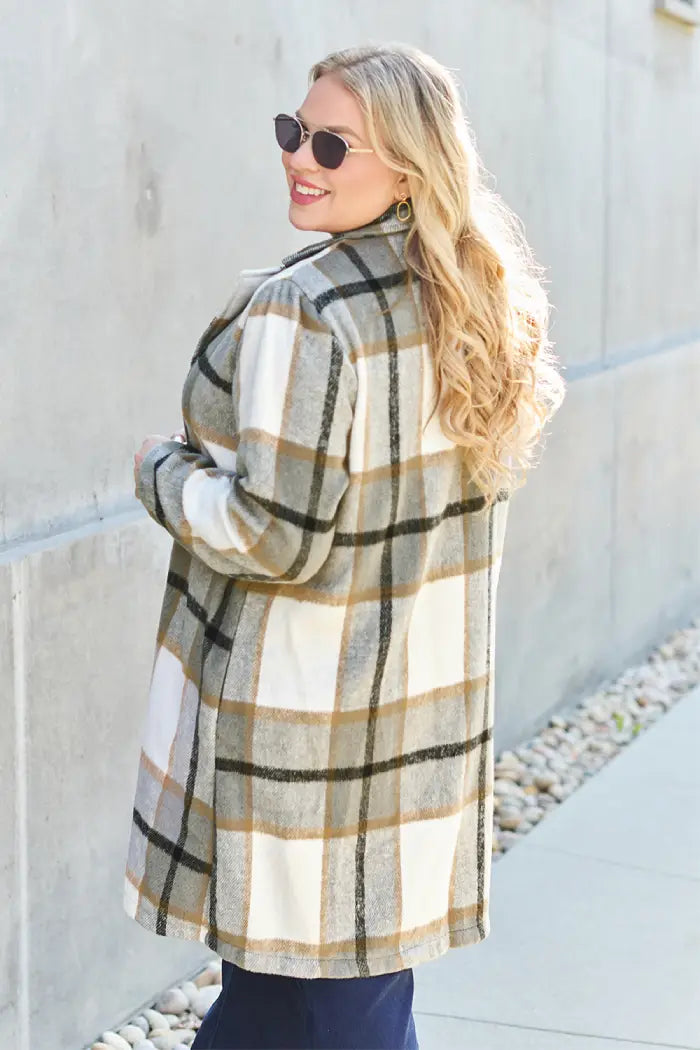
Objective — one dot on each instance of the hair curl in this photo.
(486, 310)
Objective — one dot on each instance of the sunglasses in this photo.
(328, 148)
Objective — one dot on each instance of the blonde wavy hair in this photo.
(486, 309)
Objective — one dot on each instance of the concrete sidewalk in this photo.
(595, 917)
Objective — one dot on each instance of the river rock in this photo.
(508, 759)
(532, 814)
(508, 787)
(166, 1039)
(173, 1001)
(116, 1042)
(187, 1036)
(210, 975)
(508, 773)
(207, 996)
(190, 989)
(133, 1033)
(155, 1019)
(558, 764)
(510, 821)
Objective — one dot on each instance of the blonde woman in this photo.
(314, 797)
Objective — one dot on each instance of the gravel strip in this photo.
(529, 781)
(538, 775)
(172, 1021)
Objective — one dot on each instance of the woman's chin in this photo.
(299, 217)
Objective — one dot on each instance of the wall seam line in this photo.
(18, 578)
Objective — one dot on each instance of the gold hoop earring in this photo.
(407, 214)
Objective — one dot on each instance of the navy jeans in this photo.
(263, 1011)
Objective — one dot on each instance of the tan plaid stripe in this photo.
(314, 796)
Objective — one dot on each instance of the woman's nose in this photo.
(304, 157)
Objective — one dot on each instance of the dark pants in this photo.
(263, 1011)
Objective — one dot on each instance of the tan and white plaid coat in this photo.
(314, 794)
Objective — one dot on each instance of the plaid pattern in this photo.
(314, 794)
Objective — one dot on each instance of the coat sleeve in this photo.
(271, 517)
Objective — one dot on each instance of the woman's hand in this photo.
(148, 444)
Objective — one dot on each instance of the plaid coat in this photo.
(314, 794)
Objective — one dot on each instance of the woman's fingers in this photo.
(149, 442)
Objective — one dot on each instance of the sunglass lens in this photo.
(328, 149)
(287, 133)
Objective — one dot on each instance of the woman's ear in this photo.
(402, 190)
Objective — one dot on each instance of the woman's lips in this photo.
(306, 198)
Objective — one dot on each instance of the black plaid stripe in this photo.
(179, 849)
(290, 775)
(168, 847)
(347, 291)
(309, 522)
(481, 814)
(386, 604)
(212, 633)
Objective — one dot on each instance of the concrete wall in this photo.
(139, 174)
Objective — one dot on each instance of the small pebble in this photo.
(532, 814)
(509, 759)
(206, 998)
(207, 977)
(115, 1041)
(507, 787)
(509, 773)
(133, 1033)
(559, 765)
(165, 1040)
(155, 1019)
(190, 990)
(172, 1001)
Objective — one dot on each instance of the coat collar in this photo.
(250, 280)
(384, 224)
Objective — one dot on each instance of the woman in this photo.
(314, 798)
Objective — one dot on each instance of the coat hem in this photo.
(339, 967)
